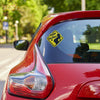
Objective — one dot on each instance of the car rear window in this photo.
(76, 41)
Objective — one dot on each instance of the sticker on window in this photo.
(55, 38)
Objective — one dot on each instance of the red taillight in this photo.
(90, 90)
(35, 84)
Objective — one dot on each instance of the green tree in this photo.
(92, 4)
(2, 9)
(31, 14)
(28, 12)
(72, 5)
(92, 34)
(64, 5)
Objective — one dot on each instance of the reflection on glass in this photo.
(81, 42)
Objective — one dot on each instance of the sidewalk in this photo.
(6, 45)
(9, 57)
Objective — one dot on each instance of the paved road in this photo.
(9, 57)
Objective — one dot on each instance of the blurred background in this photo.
(19, 19)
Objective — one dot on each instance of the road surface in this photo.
(9, 57)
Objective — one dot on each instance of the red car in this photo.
(62, 61)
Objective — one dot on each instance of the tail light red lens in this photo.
(35, 84)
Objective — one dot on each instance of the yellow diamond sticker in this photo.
(55, 38)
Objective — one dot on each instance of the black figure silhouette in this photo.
(56, 40)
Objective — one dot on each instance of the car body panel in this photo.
(67, 81)
(69, 77)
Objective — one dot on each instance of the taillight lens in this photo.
(35, 84)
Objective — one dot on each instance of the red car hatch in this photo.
(68, 82)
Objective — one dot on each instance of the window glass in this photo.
(72, 41)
